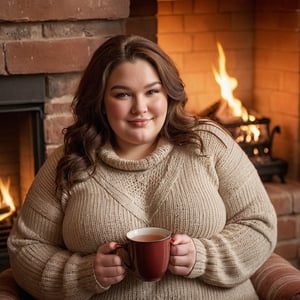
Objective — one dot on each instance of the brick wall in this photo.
(286, 200)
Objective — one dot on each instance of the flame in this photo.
(7, 200)
(227, 85)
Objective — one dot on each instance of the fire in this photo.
(227, 85)
(6, 204)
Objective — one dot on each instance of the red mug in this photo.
(147, 252)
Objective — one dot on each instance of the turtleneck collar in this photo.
(109, 157)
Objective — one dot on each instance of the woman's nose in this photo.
(139, 105)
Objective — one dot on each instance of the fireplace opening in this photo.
(249, 129)
(22, 147)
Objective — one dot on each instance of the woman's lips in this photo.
(139, 122)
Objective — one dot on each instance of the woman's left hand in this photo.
(183, 255)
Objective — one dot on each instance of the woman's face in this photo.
(136, 107)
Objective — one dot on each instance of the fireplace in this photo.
(21, 145)
(250, 130)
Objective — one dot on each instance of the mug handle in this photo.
(123, 252)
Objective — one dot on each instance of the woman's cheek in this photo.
(159, 107)
(117, 110)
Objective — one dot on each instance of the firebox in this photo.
(21, 146)
(250, 130)
(255, 137)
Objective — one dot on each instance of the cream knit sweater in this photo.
(216, 197)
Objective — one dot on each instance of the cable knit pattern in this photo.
(216, 197)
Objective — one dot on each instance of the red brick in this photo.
(279, 103)
(198, 61)
(278, 60)
(2, 64)
(62, 84)
(279, 40)
(271, 5)
(235, 39)
(204, 41)
(288, 250)
(266, 78)
(54, 126)
(52, 56)
(146, 27)
(164, 8)
(233, 5)
(60, 106)
(206, 6)
(195, 82)
(207, 22)
(277, 20)
(282, 206)
(290, 82)
(183, 7)
(170, 24)
(297, 204)
(169, 42)
(242, 21)
(35, 10)
(79, 29)
(286, 228)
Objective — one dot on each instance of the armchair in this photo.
(276, 279)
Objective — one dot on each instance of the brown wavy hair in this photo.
(91, 130)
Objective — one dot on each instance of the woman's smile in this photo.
(140, 122)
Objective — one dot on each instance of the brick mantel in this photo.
(286, 200)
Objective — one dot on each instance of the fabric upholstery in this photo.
(277, 279)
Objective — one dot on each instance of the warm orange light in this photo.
(6, 199)
(227, 85)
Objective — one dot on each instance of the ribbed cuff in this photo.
(88, 278)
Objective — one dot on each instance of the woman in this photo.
(135, 158)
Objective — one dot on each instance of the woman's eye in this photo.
(121, 95)
(151, 92)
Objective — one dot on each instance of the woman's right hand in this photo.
(108, 267)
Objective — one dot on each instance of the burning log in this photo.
(221, 112)
(4, 210)
(254, 137)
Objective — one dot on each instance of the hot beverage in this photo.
(148, 237)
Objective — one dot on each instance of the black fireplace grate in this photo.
(258, 150)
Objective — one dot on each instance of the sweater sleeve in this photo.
(41, 263)
(250, 234)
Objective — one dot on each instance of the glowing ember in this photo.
(6, 200)
(227, 85)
